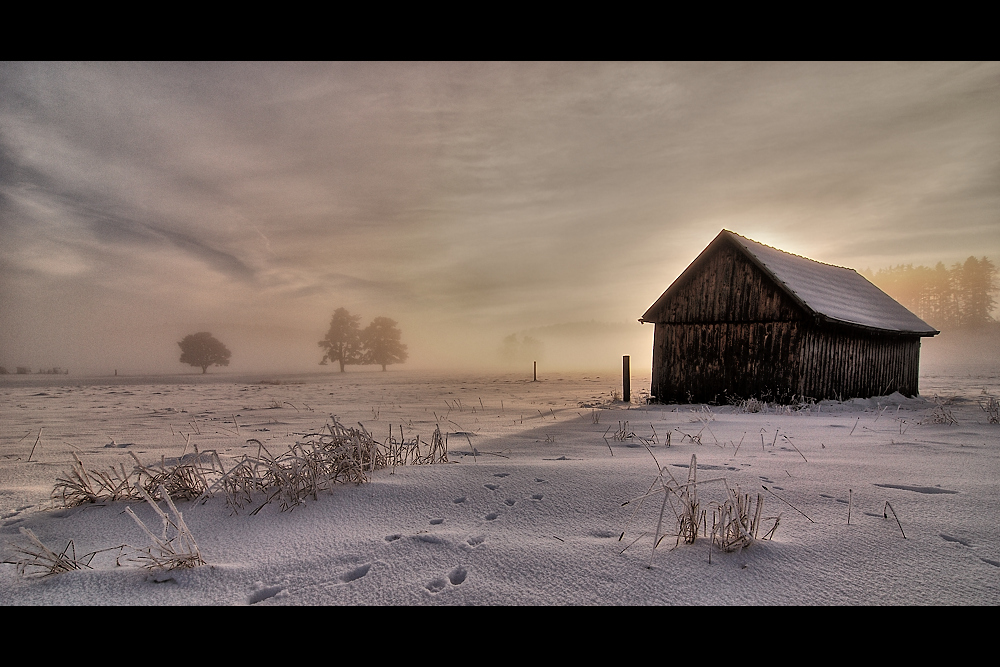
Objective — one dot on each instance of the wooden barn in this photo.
(746, 320)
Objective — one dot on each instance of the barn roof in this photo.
(829, 292)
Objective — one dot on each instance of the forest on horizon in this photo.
(958, 297)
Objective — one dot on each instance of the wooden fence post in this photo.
(626, 380)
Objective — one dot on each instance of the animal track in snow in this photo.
(959, 540)
(501, 474)
(492, 487)
(436, 585)
(356, 573)
(918, 489)
(459, 501)
(510, 502)
(435, 522)
(539, 479)
(537, 496)
(457, 575)
(393, 537)
(492, 516)
(264, 593)
(476, 540)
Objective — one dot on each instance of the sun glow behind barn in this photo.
(143, 202)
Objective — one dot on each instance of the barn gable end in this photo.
(746, 320)
(723, 285)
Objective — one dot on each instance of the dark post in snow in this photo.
(535, 371)
(626, 389)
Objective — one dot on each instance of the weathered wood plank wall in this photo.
(730, 332)
(838, 362)
(728, 288)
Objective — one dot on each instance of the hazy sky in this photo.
(467, 201)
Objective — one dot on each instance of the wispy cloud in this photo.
(493, 196)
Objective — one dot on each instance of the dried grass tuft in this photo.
(736, 521)
(80, 486)
(992, 409)
(749, 405)
(941, 414)
(315, 462)
(175, 547)
(38, 560)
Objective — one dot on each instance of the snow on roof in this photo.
(835, 292)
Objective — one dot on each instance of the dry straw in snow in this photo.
(736, 521)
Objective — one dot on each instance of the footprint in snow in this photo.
(266, 593)
(537, 496)
(457, 575)
(510, 502)
(603, 534)
(492, 516)
(435, 522)
(393, 537)
(459, 501)
(476, 540)
(949, 538)
(492, 487)
(501, 474)
(436, 585)
(356, 573)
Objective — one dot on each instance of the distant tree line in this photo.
(345, 343)
(348, 344)
(962, 296)
(24, 370)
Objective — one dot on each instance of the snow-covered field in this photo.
(535, 515)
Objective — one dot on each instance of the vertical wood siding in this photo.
(727, 288)
(729, 333)
(779, 361)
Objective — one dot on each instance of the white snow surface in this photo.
(530, 509)
(840, 293)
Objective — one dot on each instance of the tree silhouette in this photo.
(960, 296)
(382, 343)
(976, 285)
(203, 349)
(343, 340)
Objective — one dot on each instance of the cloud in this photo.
(469, 200)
